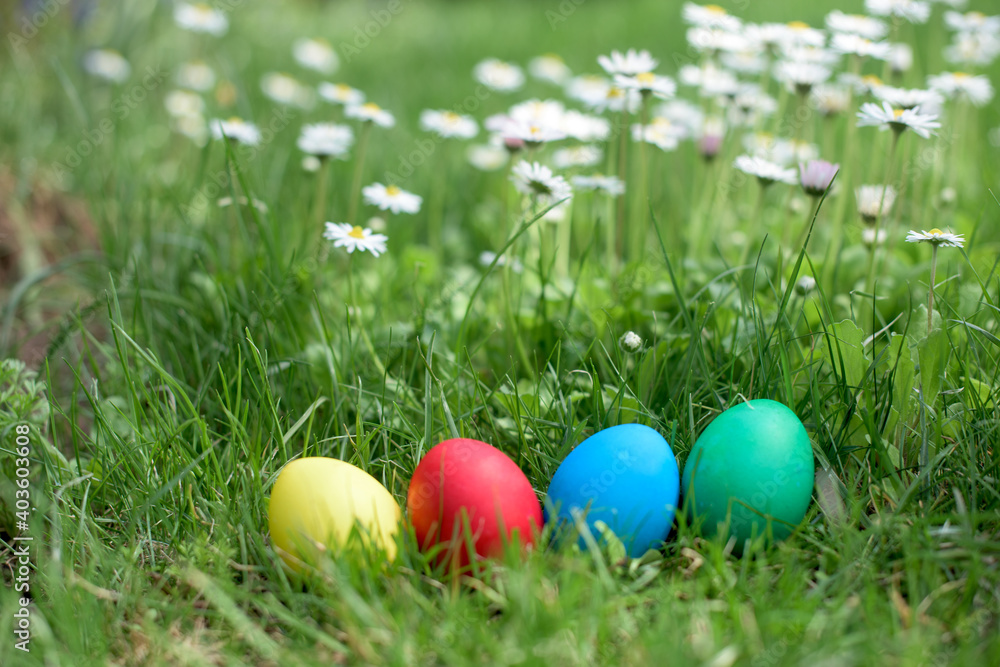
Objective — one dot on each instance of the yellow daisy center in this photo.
(235, 120)
(871, 80)
(372, 107)
(935, 232)
(343, 88)
(798, 25)
(645, 78)
(203, 7)
(897, 112)
(614, 92)
(961, 75)
(450, 116)
(356, 233)
(975, 16)
(552, 56)
(392, 190)
(715, 9)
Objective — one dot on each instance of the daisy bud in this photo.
(816, 176)
(805, 285)
(710, 145)
(513, 144)
(630, 342)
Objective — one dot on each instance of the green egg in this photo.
(750, 473)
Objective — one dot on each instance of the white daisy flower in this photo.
(391, 198)
(538, 112)
(831, 99)
(341, 93)
(801, 76)
(886, 117)
(200, 17)
(486, 258)
(630, 63)
(316, 54)
(751, 98)
(802, 34)
(538, 180)
(766, 172)
(972, 22)
(746, 61)
(551, 68)
(661, 132)
(448, 124)
(226, 202)
(181, 103)
(714, 40)
(937, 238)
(588, 89)
(973, 48)
(872, 198)
(900, 57)
(813, 55)
(326, 140)
(914, 11)
(860, 46)
(193, 127)
(709, 16)
(586, 155)
(682, 112)
(107, 64)
(710, 79)
(354, 238)
(486, 157)
(768, 36)
(759, 144)
(583, 127)
(609, 185)
(648, 83)
(871, 236)
(630, 342)
(793, 151)
(976, 89)
(862, 85)
(908, 98)
(532, 133)
(816, 176)
(856, 24)
(284, 89)
(804, 285)
(498, 75)
(195, 75)
(311, 163)
(618, 99)
(236, 129)
(371, 113)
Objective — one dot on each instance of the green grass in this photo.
(187, 352)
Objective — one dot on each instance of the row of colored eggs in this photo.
(749, 473)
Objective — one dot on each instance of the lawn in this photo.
(177, 322)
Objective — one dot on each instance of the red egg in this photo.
(470, 477)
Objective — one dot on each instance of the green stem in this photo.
(323, 176)
(359, 167)
(930, 291)
(870, 281)
(622, 169)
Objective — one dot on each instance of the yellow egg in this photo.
(316, 503)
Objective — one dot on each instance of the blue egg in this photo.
(625, 476)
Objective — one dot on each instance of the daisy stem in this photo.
(930, 290)
(323, 177)
(870, 282)
(357, 313)
(639, 230)
(359, 168)
(436, 208)
(622, 169)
